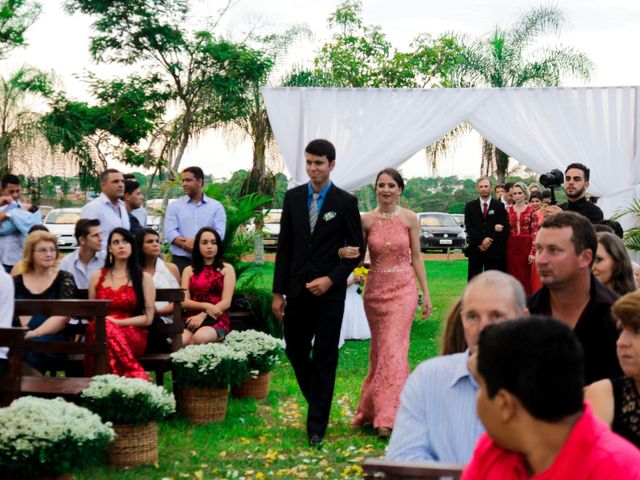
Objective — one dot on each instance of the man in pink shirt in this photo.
(530, 372)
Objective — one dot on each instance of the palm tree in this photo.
(510, 58)
(17, 120)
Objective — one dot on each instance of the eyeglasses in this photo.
(44, 250)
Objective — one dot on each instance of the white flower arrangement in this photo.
(41, 436)
(209, 365)
(262, 349)
(124, 400)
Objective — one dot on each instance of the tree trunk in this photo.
(502, 164)
(5, 145)
(488, 156)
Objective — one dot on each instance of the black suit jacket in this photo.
(478, 228)
(303, 256)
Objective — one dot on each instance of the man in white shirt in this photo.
(6, 311)
(88, 257)
(108, 207)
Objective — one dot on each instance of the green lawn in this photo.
(267, 439)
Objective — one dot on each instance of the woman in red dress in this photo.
(523, 227)
(132, 296)
(209, 283)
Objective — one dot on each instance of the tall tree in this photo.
(18, 120)
(511, 58)
(205, 78)
(16, 16)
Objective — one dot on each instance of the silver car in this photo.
(62, 222)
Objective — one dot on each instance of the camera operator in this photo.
(576, 182)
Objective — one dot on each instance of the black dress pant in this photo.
(314, 319)
(479, 263)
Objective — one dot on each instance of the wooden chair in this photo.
(375, 468)
(10, 383)
(66, 386)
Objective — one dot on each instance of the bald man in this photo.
(437, 418)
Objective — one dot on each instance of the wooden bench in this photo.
(375, 468)
(67, 386)
(13, 338)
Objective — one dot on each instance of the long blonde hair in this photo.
(29, 245)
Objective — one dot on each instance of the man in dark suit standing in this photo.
(317, 219)
(486, 222)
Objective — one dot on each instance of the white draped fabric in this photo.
(543, 128)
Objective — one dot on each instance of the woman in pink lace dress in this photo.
(131, 309)
(390, 300)
(209, 283)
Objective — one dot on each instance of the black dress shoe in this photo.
(315, 440)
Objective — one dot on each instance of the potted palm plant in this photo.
(42, 438)
(133, 406)
(202, 375)
(263, 354)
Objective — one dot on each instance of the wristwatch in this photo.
(7, 215)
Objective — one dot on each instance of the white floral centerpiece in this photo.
(49, 437)
(133, 406)
(124, 400)
(209, 365)
(263, 354)
(262, 350)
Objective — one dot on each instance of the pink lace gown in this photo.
(124, 343)
(390, 301)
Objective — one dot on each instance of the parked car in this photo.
(440, 231)
(62, 222)
(44, 210)
(271, 228)
(459, 218)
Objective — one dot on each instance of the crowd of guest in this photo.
(118, 259)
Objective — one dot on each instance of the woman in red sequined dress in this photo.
(390, 300)
(132, 295)
(523, 227)
(209, 283)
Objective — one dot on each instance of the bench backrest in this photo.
(395, 470)
(10, 383)
(97, 309)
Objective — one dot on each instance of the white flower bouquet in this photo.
(40, 436)
(129, 401)
(212, 365)
(262, 350)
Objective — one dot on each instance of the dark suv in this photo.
(440, 231)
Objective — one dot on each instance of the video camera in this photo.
(552, 180)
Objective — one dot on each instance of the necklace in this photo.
(387, 215)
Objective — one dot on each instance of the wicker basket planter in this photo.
(134, 445)
(257, 387)
(203, 404)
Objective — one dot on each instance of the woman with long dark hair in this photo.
(612, 265)
(132, 295)
(209, 283)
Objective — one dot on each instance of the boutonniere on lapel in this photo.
(491, 212)
(327, 217)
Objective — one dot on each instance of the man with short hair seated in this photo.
(531, 377)
(437, 417)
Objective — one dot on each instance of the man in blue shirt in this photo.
(437, 418)
(189, 214)
(108, 207)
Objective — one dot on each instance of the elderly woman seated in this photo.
(616, 401)
(41, 279)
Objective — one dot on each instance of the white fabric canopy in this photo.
(543, 128)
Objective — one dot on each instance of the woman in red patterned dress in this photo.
(523, 227)
(209, 283)
(132, 296)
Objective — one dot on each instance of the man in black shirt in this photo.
(576, 183)
(566, 245)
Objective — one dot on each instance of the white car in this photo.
(62, 223)
(271, 228)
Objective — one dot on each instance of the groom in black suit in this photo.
(486, 223)
(317, 219)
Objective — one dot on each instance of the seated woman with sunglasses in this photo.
(41, 279)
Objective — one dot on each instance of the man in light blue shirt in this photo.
(11, 244)
(189, 214)
(7, 299)
(88, 257)
(437, 418)
(109, 207)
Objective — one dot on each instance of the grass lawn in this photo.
(267, 439)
